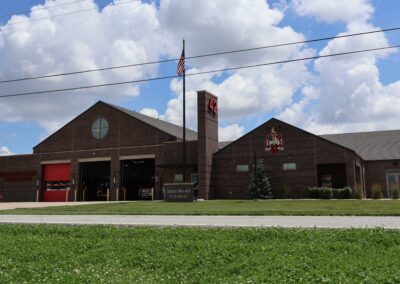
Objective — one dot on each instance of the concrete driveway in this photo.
(210, 221)
(15, 205)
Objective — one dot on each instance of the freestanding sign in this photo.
(178, 192)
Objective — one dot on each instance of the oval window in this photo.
(100, 128)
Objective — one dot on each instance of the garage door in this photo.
(56, 180)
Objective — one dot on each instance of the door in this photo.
(392, 180)
(56, 180)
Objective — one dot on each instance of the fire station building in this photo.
(112, 153)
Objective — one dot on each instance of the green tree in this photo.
(260, 185)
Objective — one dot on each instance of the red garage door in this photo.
(56, 181)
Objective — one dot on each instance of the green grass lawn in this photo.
(101, 254)
(230, 207)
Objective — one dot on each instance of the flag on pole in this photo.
(180, 69)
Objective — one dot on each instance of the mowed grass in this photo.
(229, 207)
(97, 254)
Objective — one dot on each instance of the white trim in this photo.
(97, 159)
(55, 162)
(137, 157)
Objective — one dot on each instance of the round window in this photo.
(100, 128)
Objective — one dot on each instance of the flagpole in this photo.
(184, 118)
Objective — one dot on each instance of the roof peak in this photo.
(165, 126)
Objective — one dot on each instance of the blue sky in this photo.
(356, 93)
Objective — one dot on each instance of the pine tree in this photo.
(260, 186)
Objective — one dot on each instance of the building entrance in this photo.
(94, 181)
(138, 179)
(332, 175)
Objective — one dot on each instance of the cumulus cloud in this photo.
(351, 96)
(230, 132)
(95, 39)
(337, 10)
(150, 112)
(4, 151)
(242, 93)
(330, 95)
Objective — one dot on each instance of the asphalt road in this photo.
(210, 221)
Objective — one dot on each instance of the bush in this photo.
(342, 193)
(325, 193)
(357, 191)
(320, 192)
(313, 192)
(376, 191)
(395, 190)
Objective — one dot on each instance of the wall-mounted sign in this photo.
(18, 176)
(213, 105)
(274, 142)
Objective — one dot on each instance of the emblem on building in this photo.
(213, 105)
(274, 142)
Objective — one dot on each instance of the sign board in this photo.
(146, 193)
(213, 105)
(178, 192)
(18, 176)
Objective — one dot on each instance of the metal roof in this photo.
(162, 125)
(370, 146)
(223, 144)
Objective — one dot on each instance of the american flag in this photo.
(180, 69)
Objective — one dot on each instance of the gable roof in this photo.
(370, 146)
(223, 145)
(162, 125)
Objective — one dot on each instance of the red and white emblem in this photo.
(274, 142)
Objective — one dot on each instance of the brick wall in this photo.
(302, 148)
(207, 140)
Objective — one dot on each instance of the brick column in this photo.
(207, 140)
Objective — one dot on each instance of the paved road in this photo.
(209, 221)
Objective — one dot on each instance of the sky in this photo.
(351, 93)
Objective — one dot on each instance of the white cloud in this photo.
(351, 94)
(242, 93)
(150, 112)
(345, 93)
(335, 10)
(230, 132)
(4, 151)
(117, 35)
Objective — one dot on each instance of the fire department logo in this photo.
(274, 142)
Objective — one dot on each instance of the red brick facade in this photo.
(305, 150)
(303, 160)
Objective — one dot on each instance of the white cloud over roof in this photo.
(4, 151)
